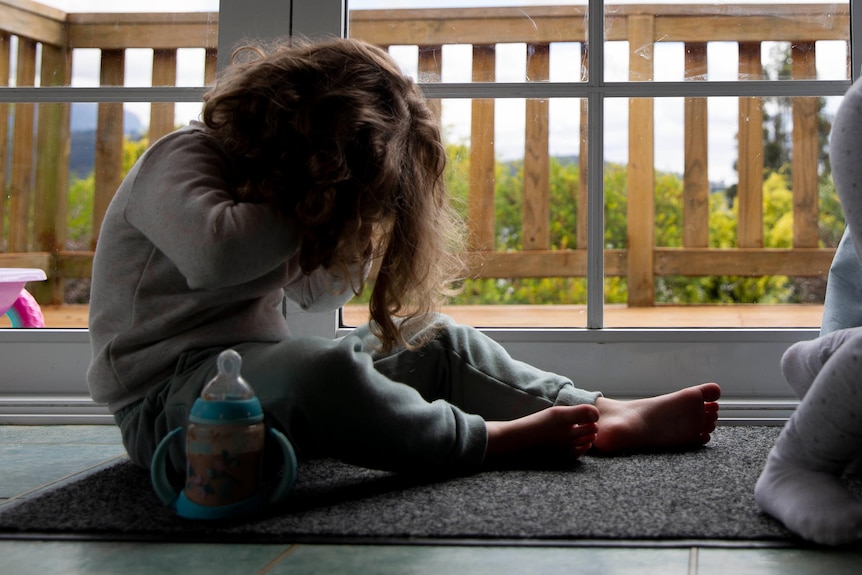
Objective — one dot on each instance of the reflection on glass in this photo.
(87, 43)
(688, 181)
(700, 40)
(83, 150)
(717, 201)
(61, 162)
(493, 41)
(521, 188)
(530, 41)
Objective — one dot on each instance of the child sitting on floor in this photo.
(801, 484)
(312, 162)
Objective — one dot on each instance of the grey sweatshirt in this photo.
(181, 265)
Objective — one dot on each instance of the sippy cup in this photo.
(224, 451)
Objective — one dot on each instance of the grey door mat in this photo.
(702, 494)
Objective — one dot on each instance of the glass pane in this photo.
(92, 43)
(60, 163)
(522, 190)
(104, 140)
(741, 40)
(480, 41)
(714, 205)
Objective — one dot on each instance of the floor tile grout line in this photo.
(60, 481)
(281, 556)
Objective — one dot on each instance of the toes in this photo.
(587, 413)
(582, 433)
(573, 414)
(580, 450)
(710, 392)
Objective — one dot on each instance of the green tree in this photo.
(81, 194)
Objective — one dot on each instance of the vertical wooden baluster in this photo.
(641, 171)
(695, 215)
(480, 205)
(210, 66)
(536, 207)
(162, 113)
(805, 151)
(750, 162)
(430, 71)
(5, 54)
(21, 185)
(52, 173)
(583, 159)
(109, 140)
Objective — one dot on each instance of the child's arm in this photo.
(182, 203)
(324, 289)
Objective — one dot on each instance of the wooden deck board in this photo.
(620, 316)
(718, 316)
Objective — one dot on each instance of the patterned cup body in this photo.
(224, 462)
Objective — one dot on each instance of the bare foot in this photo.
(569, 429)
(684, 418)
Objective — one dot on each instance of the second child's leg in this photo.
(803, 360)
(801, 482)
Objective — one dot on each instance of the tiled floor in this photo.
(32, 457)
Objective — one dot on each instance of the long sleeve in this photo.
(181, 265)
(230, 242)
(324, 289)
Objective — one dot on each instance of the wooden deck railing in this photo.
(36, 174)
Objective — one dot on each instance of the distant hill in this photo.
(84, 116)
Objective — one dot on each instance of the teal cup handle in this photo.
(288, 477)
(169, 496)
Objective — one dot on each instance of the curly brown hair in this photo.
(335, 136)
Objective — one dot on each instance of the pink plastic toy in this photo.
(15, 301)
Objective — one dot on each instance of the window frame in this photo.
(44, 370)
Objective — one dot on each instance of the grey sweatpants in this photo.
(403, 410)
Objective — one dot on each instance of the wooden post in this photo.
(480, 204)
(641, 172)
(210, 66)
(536, 207)
(21, 188)
(430, 71)
(749, 191)
(583, 159)
(695, 205)
(52, 173)
(162, 113)
(804, 156)
(109, 140)
(5, 54)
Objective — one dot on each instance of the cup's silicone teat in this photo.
(227, 396)
(228, 385)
